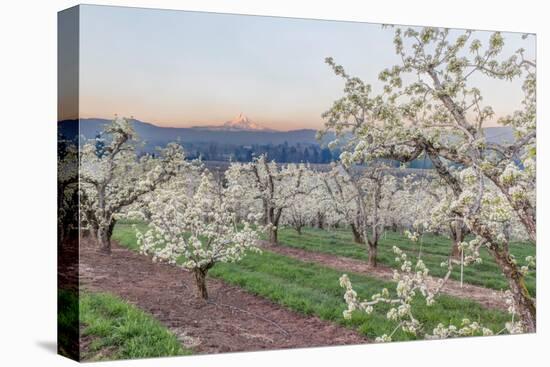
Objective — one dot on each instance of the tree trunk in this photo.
(455, 250)
(457, 236)
(357, 238)
(373, 243)
(298, 229)
(104, 234)
(93, 227)
(373, 251)
(266, 218)
(94, 233)
(200, 281)
(320, 220)
(524, 304)
(273, 235)
(104, 240)
(274, 217)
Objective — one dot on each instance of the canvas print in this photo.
(233, 183)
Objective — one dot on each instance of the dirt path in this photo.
(167, 292)
(485, 296)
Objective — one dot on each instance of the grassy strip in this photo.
(125, 234)
(68, 323)
(312, 289)
(435, 249)
(122, 331)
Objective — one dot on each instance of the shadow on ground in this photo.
(48, 345)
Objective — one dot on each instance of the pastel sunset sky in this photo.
(177, 68)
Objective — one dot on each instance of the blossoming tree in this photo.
(364, 197)
(308, 207)
(342, 199)
(274, 186)
(199, 230)
(113, 177)
(67, 189)
(379, 187)
(425, 200)
(431, 105)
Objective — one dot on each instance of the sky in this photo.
(177, 68)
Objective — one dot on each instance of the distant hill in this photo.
(499, 134)
(159, 136)
(239, 140)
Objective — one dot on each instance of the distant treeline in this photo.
(280, 153)
(284, 153)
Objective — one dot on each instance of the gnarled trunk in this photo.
(373, 252)
(94, 231)
(200, 282)
(455, 250)
(457, 236)
(104, 240)
(104, 234)
(274, 216)
(273, 235)
(524, 304)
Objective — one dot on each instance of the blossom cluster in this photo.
(199, 229)
(410, 283)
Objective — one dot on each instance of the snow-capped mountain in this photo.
(242, 122)
(239, 123)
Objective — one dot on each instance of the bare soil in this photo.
(487, 297)
(235, 321)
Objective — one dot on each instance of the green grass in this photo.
(67, 323)
(122, 331)
(314, 290)
(435, 249)
(125, 234)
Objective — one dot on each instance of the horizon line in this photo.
(131, 118)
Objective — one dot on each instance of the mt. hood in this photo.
(239, 123)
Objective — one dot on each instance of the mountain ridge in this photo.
(240, 145)
(154, 135)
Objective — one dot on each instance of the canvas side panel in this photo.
(67, 183)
